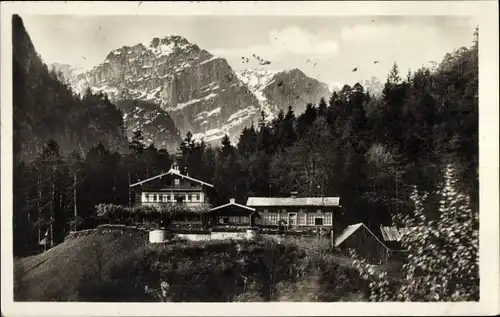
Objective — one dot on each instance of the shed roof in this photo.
(393, 233)
(172, 172)
(353, 228)
(232, 202)
(390, 233)
(293, 201)
(347, 233)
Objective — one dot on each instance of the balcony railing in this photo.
(184, 203)
(188, 205)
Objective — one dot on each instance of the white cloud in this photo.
(363, 33)
(411, 46)
(291, 40)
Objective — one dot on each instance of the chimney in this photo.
(232, 200)
(293, 194)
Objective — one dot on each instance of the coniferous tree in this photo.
(228, 170)
(247, 144)
(442, 254)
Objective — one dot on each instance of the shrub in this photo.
(442, 255)
(118, 214)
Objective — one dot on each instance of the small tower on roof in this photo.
(175, 167)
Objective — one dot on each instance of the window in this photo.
(177, 182)
(310, 219)
(197, 197)
(224, 219)
(188, 197)
(302, 218)
(154, 197)
(272, 219)
(328, 218)
(146, 197)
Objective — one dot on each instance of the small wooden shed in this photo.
(391, 236)
(364, 242)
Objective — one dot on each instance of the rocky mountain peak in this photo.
(200, 92)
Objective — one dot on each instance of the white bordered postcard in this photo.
(266, 158)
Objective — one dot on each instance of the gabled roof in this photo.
(233, 203)
(353, 228)
(172, 172)
(293, 201)
(347, 233)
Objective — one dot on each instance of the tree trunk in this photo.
(74, 203)
(129, 192)
(52, 203)
(39, 216)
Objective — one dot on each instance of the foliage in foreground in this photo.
(136, 214)
(443, 262)
(220, 272)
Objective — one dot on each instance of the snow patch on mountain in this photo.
(182, 105)
(257, 79)
(200, 92)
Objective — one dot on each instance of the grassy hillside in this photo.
(112, 264)
(59, 273)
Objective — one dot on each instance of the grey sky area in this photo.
(335, 44)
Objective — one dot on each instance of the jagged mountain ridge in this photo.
(279, 90)
(200, 92)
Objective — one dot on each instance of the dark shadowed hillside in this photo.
(45, 108)
(155, 123)
(114, 263)
(62, 272)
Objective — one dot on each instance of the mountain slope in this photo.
(61, 272)
(279, 90)
(200, 92)
(155, 123)
(45, 108)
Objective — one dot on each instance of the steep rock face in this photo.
(66, 71)
(279, 90)
(200, 92)
(294, 88)
(257, 81)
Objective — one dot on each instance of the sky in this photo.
(324, 47)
